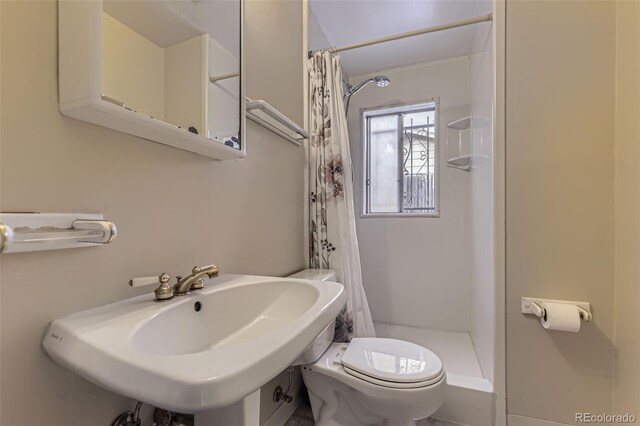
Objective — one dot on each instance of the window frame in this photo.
(394, 109)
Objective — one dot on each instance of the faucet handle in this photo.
(164, 290)
(142, 281)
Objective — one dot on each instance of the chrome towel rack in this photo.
(24, 232)
(270, 118)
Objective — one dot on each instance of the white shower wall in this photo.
(416, 269)
(481, 268)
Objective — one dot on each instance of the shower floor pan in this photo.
(470, 399)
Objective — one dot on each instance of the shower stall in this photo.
(434, 278)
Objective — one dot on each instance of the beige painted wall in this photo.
(173, 209)
(627, 178)
(560, 215)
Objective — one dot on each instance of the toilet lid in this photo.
(391, 360)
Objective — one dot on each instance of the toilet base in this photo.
(336, 403)
(350, 413)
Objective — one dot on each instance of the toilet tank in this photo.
(320, 344)
(316, 275)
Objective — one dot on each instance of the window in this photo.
(401, 160)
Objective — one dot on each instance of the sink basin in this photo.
(206, 350)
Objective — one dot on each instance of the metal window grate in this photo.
(401, 160)
(418, 151)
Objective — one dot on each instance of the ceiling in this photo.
(351, 21)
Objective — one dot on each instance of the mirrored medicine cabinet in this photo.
(167, 71)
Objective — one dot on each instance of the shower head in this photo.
(382, 81)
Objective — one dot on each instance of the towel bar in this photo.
(23, 232)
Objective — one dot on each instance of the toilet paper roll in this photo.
(561, 317)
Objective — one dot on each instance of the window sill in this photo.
(399, 215)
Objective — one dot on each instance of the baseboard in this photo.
(515, 420)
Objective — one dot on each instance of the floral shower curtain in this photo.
(332, 229)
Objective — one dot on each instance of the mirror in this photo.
(178, 62)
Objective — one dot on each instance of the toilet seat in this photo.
(392, 363)
(394, 385)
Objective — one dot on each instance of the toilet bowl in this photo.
(369, 381)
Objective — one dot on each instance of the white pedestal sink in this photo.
(201, 352)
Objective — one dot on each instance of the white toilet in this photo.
(369, 381)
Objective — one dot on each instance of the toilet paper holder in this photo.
(533, 306)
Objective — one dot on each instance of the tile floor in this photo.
(302, 416)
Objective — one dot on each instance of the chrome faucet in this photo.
(195, 281)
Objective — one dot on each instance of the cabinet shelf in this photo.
(107, 114)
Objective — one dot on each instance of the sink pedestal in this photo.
(245, 412)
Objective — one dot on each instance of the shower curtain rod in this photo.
(457, 24)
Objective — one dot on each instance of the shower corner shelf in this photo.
(24, 232)
(463, 123)
(463, 162)
(464, 159)
(263, 113)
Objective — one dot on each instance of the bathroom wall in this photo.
(560, 74)
(173, 209)
(627, 207)
(416, 270)
(481, 273)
